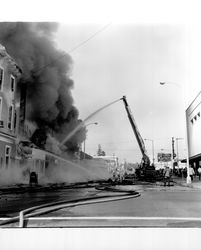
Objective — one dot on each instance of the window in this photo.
(1, 162)
(1, 78)
(195, 118)
(10, 117)
(7, 156)
(15, 120)
(0, 107)
(12, 83)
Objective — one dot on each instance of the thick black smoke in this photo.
(46, 75)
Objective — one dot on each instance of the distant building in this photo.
(193, 115)
(83, 156)
(9, 108)
(110, 160)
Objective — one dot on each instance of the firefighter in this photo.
(167, 176)
(191, 172)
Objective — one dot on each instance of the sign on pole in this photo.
(162, 157)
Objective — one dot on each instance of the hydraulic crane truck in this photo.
(146, 171)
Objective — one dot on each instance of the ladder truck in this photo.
(146, 171)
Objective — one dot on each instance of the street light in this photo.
(188, 179)
(92, 123)
(152, 141)
(173, 83)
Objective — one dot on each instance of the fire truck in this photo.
(146, 170)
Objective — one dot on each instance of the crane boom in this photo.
(145, 158)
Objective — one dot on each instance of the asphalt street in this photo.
(158, 206)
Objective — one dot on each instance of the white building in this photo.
(193, 116)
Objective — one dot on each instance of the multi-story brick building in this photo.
(9, 108)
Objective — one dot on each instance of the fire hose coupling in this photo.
(21, 219)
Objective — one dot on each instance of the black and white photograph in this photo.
(100, 124)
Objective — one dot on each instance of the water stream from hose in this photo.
(85, 120)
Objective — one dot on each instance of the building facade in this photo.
(193, 120)
(9, 108)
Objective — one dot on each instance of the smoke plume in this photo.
(46, 76)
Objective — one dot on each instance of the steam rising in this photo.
(90, 170)
(46, 77)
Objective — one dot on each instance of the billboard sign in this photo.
(162, 157)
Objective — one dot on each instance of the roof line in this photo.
(194, 100)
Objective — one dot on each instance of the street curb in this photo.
(187, 185)
(180, 184)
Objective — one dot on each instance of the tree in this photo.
(100, 152)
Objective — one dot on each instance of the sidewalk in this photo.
(196, 183)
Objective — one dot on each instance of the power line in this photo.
(106, 143)
(91, 37)
(130, 141)
(76, 47)
(119, 149)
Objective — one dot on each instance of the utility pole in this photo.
(188, 179)
(178, 150)
(152, 141)
(92, 123)
(173, 152)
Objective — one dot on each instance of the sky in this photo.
(132, 59)
(145, 42)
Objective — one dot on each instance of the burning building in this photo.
(38, 112)
(46, 105)
(40, 129)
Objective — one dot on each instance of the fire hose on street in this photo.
(24, 215)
